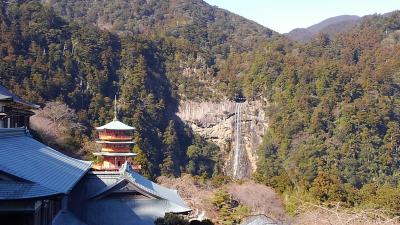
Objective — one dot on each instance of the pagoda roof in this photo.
(115, 153)
(6, 95)
(115, 125)
(114, 142)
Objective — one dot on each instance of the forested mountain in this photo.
(334, 115)
(333, 102)
(330, 26)
(212, 29)
(45, 58)
(210, 44)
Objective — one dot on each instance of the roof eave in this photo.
(33, 198)
(80, 177)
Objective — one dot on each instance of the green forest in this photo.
(45, 58)
(334, 128)
(334, 104)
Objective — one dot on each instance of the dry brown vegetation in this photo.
(196, 195)
(324, 216)
(259, 198)
(264, 200)
(55, 124)
(308, 213)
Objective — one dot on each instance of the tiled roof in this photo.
(24, 157)
(258, 220)
(66, 218)
(124, 197)
(115, 125)
(7, 95)
(159, 191)
(10, 190)
(116, 211)
(175, 203)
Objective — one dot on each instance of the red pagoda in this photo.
(116, 139)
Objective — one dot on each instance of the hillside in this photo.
(209, 27)
(334, 116)
(331, 106)
(330, 26)
(210, 43)
(45, 59)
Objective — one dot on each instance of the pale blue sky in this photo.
(284, 15)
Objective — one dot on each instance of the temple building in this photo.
(114, 192)
(122, 197)
(35, 180)
(14, 112)
(41, 186)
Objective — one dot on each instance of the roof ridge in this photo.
(6, 94)
(41, 164)
(126, 171)
(13, 132)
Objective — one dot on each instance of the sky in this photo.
(285, 15)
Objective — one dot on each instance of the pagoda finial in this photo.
(115, 108)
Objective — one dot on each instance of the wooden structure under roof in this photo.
(14, 112)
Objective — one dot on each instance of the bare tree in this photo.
(55, 124)
(319, 214)
(59, 114)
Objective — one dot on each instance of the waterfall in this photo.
(237, 153)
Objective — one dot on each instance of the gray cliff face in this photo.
(216, 122)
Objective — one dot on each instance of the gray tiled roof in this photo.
(117, 211)
(258, 220)
(10, 190)
(176, 202)
(7, 95)
(114, 198)
(66, 218)
(24, 157)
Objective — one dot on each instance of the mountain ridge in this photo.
(330, 26)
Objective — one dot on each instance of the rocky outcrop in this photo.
(216, 122)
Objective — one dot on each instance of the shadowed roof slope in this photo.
(159, 191)
(6, 95)
(12, 190)
(24, 157)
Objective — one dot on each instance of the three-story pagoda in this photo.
(115, 139)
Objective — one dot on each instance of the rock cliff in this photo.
(216, 122)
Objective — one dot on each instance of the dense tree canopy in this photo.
(333, 103)
(45, 58)
(334, 111)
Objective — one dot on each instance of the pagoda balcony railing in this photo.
(115, 137)
(103, 167)
(112, 167)
(113, 149)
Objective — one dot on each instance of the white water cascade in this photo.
(238, 134)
